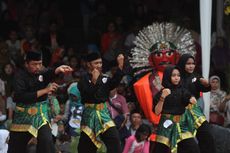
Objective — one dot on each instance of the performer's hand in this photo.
(165, 92)
(95, 74)
(120, 61)
(52, 88)
(192, 100)
(204, 82)
(63, 69)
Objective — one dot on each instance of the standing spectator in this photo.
(109, 38)
(53, 39)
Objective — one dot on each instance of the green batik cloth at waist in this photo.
(96, 120)
(29, 118)
(173, 129)
(194, 111)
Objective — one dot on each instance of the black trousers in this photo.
(185, 146)
(19, 140)
(110, 138)
(205, 139)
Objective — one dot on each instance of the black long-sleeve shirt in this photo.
(193, 84)
(99, 92)
(26, 85)
(175, 102)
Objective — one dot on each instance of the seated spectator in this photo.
(14, 46)
(216, 98)
(4, 54)
(28, 39)
(118, 109)
(10, 107)
(117, 104)
(225, 108)
(135, 120)
(138, 143)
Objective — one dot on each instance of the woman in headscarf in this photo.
(216, 98)
(195, 83)
(174, 130)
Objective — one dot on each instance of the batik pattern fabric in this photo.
(30, 118)
(194, 113)
(174, 128)
(95, 121)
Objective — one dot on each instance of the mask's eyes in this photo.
(158, 54)
(169, 53)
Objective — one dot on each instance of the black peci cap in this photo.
(33, 56)
(93, 56)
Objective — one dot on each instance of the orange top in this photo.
(145, 98)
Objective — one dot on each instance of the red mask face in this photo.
(162, 58)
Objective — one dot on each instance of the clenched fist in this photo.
(165, 92)
(120, 61)
(95, 74)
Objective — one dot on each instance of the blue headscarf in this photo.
(73, 90)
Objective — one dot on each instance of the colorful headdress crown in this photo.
(159, 36)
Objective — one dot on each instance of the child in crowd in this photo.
(73, 115)
(138, 143)
(73, 110)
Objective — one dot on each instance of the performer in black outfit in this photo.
(195, 83)
(174, 130)
(96, 124)
(31, 119)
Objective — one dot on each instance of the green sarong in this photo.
(194, 112)
(172, 129)
(95, 121)
(29, 118)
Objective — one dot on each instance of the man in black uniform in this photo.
(31, 119)
(96, 124)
